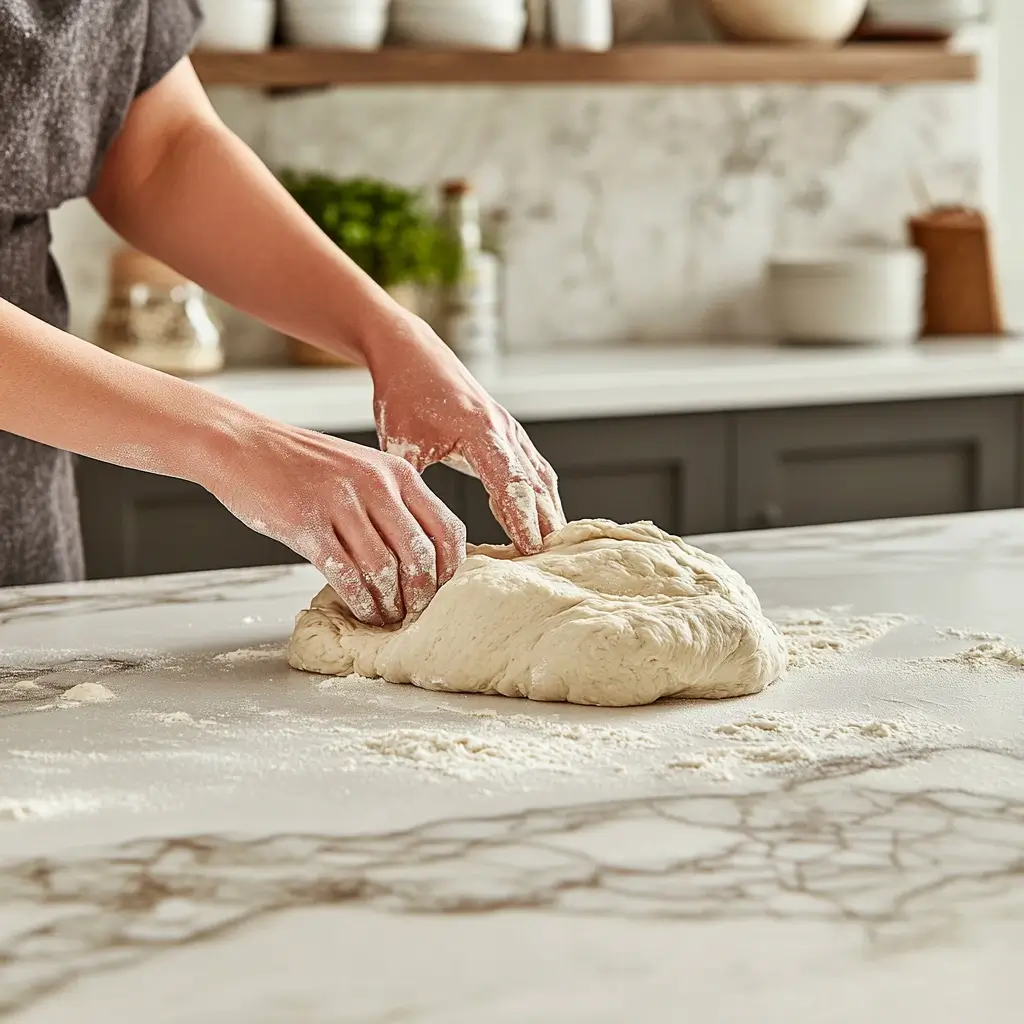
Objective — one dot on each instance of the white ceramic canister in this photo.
(582, 24)
(859, 295)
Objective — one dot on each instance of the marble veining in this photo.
(901, 867)
(193, 824)
(20, 603)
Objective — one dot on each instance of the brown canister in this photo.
(961, 295)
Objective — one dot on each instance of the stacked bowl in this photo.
(460, 24)
(348, 24)
(939, 15)
(857, 295)
(242, 26)
(808, 22)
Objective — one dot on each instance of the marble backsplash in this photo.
(634, 213)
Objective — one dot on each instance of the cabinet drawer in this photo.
(796, 467)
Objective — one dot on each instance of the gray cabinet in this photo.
(690, 474)
(137, 524)
(1020, 454)
(668, 469)
(796, 467)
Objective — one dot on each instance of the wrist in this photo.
(219, 443)
(377, 326)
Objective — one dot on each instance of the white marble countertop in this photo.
(229, 841)
(645, 380)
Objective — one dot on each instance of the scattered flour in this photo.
(815, 637)
(86, 693)
(993, 653)
(26, 685)
(507, 746)
(967, 634)
(776, 740)
(47, 807)
(339, 682)
(245, 655)
(176, 717)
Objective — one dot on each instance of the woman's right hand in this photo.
(365, 519)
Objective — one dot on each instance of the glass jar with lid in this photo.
(158, 318)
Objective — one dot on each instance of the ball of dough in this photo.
(605, 614)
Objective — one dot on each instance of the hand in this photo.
(429, 408)
(362, 517)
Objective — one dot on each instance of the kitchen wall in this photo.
(634, 213)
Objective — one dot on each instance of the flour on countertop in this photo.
(777, 740)
(87, 693)
(176, 718)
(339, 682)
(816, 636)
(967, 634)
(246, 655)
(504, 746)
(41, 808)
(993, 653)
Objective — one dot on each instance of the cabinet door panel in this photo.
(136, 524)
(806, 466)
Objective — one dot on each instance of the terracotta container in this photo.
(961, 295)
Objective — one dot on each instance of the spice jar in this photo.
(158, 318)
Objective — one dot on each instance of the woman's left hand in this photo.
(429, 408)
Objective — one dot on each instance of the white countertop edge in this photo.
(642, 381)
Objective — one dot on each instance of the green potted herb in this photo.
(385, 229)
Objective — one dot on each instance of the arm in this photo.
(308, 491)
(180, 186)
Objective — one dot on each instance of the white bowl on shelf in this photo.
(460, 24)
(788, 21)
(242, 26)
(946, 15)
(862, 295)
(346, 24)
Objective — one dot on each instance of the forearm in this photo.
(64, 392)
(212, 210)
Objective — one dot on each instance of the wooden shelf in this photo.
(885, 64)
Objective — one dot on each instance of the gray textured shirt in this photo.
(69, 70)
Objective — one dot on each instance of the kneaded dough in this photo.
(606, 614)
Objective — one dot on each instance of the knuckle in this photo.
(399, 466)
(454, 536)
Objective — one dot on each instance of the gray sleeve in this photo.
(173, 25)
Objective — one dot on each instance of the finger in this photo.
(342, 574)
(513, 499)
(547, 514)
(445, 531)
(549, 501)
(375, 563)
(417, 559)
